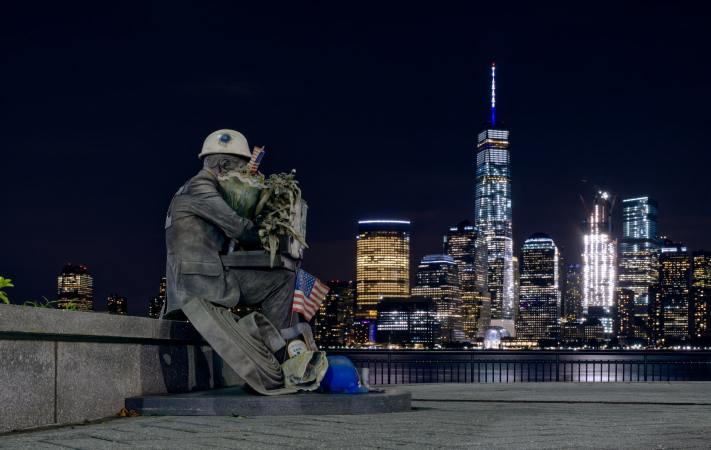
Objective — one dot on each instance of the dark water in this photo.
(514, 367)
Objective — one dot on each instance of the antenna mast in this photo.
(493, 94)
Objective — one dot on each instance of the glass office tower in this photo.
(701, 294)
(408, 321)
(382, 263)
(639, 250)
(157, 303)
(669, 310)
(465, 245)
(437, 278)
(539, 303)
(335, 315)
(492, 215)
(572, 307)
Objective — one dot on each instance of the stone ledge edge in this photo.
(26, 322)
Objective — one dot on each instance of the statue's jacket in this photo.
(198, 228)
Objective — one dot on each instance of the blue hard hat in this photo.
(342, 377)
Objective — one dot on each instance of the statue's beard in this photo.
(240, 190)
(227, 180)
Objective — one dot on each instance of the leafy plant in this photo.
(5, 283)
(276, 207)
(69, 304)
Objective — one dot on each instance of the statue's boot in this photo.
(247, 345)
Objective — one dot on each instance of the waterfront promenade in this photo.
(526, 415)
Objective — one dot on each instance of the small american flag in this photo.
(308, 294)
(256, 159)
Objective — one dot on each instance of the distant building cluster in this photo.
(639, 290)
(75, 291)
(644, 290)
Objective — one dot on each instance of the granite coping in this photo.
(26, 322)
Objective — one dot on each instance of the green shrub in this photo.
(70, 304)
(5, 283)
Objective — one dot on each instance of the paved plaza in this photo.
(527, 415)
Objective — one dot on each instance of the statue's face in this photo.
(221, 164)
(230, 163)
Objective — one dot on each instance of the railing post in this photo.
(471, 367)
(389, 359)
(645, 367)
(557, 367)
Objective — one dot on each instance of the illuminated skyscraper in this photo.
(154, 307)
(572, 307)
(625, 314)
(335, 316)
(408, 321)
(539, 304)
(464, 244)
(599, 257)
(516, 267)
(116, 304)
(155, 304)
(75, 288)
(382, 263)
(669, 309)
(438, 278)
(492, 214)
(701, 294)
(639, 250)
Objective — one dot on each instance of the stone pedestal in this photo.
(235, 401)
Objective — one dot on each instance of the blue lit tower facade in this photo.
(492, 214)
(639, 250)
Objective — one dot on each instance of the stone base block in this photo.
(234, 401)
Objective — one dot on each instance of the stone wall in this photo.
(61, 367)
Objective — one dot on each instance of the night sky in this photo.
(104, 108)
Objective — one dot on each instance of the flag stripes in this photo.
(309, 293)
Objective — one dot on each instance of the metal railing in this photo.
(405, 367)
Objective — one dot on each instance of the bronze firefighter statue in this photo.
(235, 237)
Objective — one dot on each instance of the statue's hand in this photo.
(250, 237)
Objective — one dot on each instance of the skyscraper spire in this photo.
(493, 95)
(492, 215)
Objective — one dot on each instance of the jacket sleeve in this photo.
(207, 203)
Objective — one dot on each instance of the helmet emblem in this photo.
(225, 138)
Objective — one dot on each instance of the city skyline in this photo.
(105, 147)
